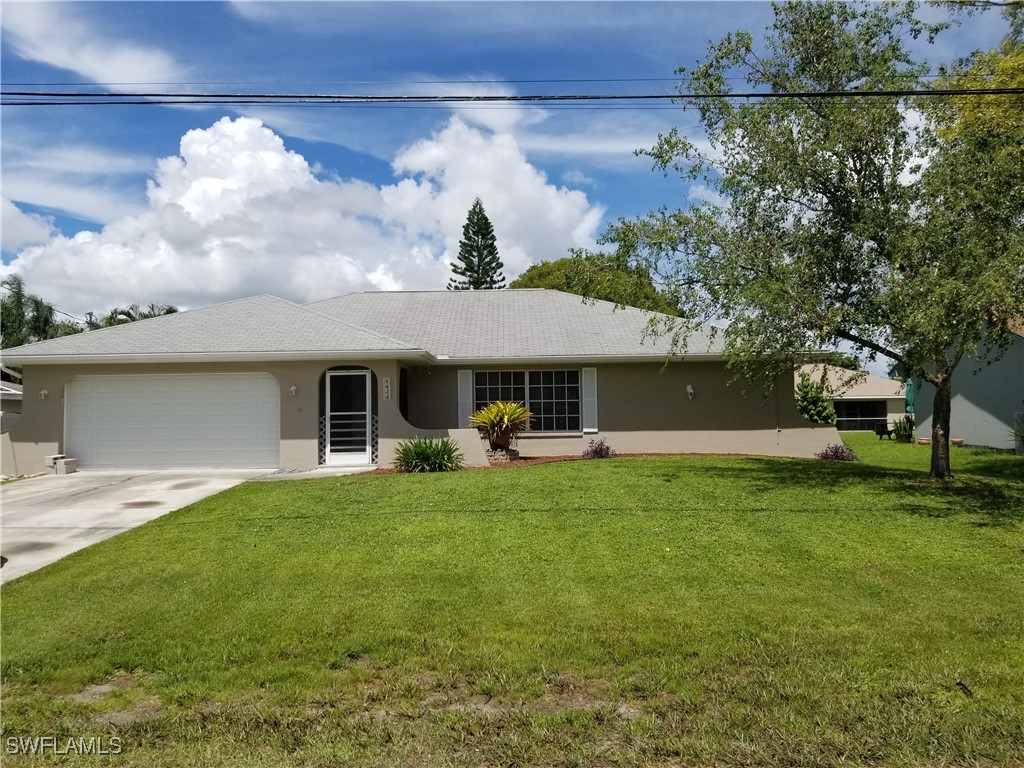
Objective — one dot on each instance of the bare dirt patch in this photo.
(99, 691)
(144, 709)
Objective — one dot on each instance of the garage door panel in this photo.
(215, 420)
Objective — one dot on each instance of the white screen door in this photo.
(348, 417)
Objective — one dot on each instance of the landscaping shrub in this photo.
(812, 402)
(598, 449)
(838, 452)
(903, 428)
(501, 423)
(428, 454)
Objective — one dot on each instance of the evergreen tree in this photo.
(478, 267)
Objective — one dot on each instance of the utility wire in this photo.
(107, 85)
(68, 98)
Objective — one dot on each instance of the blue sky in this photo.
(194, 205)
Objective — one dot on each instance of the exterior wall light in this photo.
(689, 391)
(293, 391)
(43, 394)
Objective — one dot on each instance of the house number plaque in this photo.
(387, 387)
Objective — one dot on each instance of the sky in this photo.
(106, 206)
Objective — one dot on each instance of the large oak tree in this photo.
(888, 223)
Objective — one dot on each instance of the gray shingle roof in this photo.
(508, 324)
(524, 323)
(261, 325)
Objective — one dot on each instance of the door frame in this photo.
(365, 457)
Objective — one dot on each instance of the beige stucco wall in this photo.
(40, 431)
(896, 408)
(641, 409)
(644, 408)
(433, 397)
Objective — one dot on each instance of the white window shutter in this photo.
(465, 397)
(589, 399)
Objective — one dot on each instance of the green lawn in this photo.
(689, 611)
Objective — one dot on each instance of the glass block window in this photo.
(553, 397)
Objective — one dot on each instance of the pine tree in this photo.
(478, 267)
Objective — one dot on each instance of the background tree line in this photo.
(26, 317)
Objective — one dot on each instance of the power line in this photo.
(155, 98)
(108, 85)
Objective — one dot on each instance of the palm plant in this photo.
(501, 423)
(25, 317)
(129, 314)
(903, 429)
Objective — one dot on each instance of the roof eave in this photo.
(659, 357)
(220, 357)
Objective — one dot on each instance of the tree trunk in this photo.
(940, 428)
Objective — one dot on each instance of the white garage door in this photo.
(191, 420)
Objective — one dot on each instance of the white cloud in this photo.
(533, 220)
(578, 179)
(498, 117)
(701, 193)
(83, 181)
(236, 213)
(56, 35)
(84, 198)
(18, 229)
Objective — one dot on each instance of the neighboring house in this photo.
(10, 397)
(264, 382)
(864, 402)
(986, 398)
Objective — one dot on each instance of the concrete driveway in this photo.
(48, 517)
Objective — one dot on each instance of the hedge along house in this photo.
(263, 382)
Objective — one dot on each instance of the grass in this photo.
(689, 611)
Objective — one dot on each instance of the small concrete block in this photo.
(50, 461)
(66, 466)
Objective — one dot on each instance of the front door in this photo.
(348, 417)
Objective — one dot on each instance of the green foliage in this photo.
(812, 402)
(823, 236)
(837, 359)
(428, 454)
(129, 314)
(597, 276)
(25, 317)
(903, 428)
(478, 267)
(501, 422)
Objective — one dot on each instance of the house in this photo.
(986, 398)
(264, 382)
(10, 397)
(861, 403)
